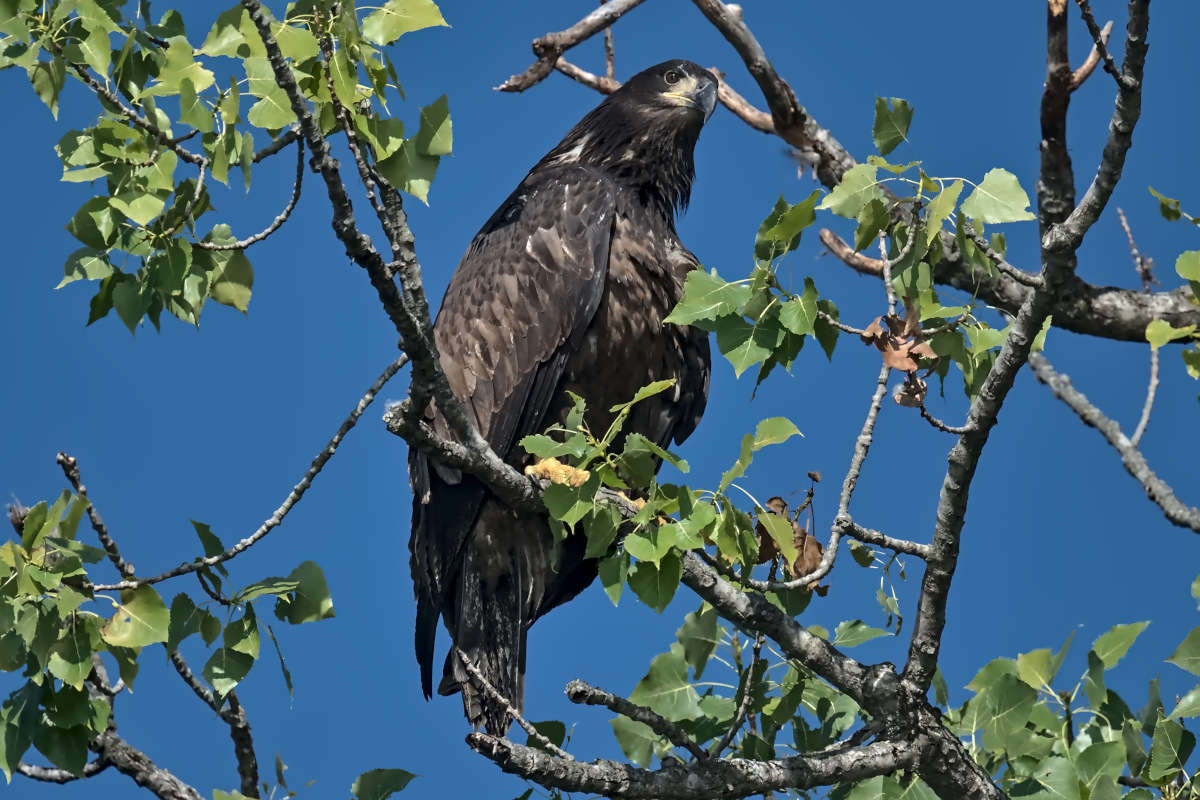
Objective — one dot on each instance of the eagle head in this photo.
(643, 134)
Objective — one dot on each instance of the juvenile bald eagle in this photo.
(564, 288)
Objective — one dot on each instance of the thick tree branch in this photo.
(56, 775)
(1135, 463)
(276, 519)
(130, 761)
(714, 778)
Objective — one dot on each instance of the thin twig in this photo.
(1100, 43)
(277, 223)
(1016, 273)
(747, 696)
(55, 775)
(586, 694)
(871, 536)
(1158, 490)
(1089, 65)
(70, 468)
(604, 85)
(1149, 404)
(941, 426)
(552, 45)
(610, 60)
(494, 693)
(138, 119)
(192, 201)
(839, 324)
(294, 497)
(1142, 263)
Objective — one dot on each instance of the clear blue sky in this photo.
(218, 424)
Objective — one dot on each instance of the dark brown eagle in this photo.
(564, 289)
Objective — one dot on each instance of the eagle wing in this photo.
(519, 303)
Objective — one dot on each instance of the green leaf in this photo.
(871, 220)
(435, 136)
(186, 619)
(1100, 760)
(273, 109)
(139, 205)
(655, 584)
(192, 110)
(1057, 776)
(665, 689)
(71, 656)
(999, 198)
(141, 618)
(940, 207)
(650, 542)
(780, 232)
(552, 729)
(1187, 655)
(706, 296)
(287, 674)
(1168, 207)
(227, 668)
(398, 17)
(66, 748)
(96, 224)
(570, 504)
(774, 430)
(827, 334)
(1188, 705)
(1169, 750)
(232, 280)
(637, 741)
(267, 586)
(854, 632)
(859, 186)
(891, 124)
(410, 170)
(380, 784)
(613, 572)
(48, 78)
(179, 66)
(1112, 646)
(1159, 332)
(699, 636)
(310, 601)
(744, 343)
(799, 314)
(1191, 361)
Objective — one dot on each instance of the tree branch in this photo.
(584, 694)
(277, 223)
(1100, 37)
(1090, 63)
(1135, 463)
(55, 775)
(714, 778)
(552, 45)
(130, 761)
(276, 519)
(70, 468)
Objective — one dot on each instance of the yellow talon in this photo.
(555, 471)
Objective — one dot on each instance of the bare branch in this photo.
(1100, 48)
(869, 536)
(294, 497)
(603, 85)
(290, 135)
(1148, 406)
(503, 701)
(1089, 65)
(1135, 463)
(128, 760)
(55, 775)
(1142, 263)
(585, 694)
(1016, 273)
(740, 106)
(610, 59)
(848, 256)
(277, 223)
(70, 468)
(552, 45)
(941, 426)
(714, 778)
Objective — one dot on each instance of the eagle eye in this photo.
(672, 77)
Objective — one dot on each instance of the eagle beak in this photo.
(699, 93)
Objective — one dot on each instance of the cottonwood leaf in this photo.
(891, 124)
(859, 186)
(706, 296)
(1112, 646)
(380, 784)
(141, 618)
(398, 17)
(999, 198)
(665, 689)
(1159, 332)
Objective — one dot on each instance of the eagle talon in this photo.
(555, 471)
